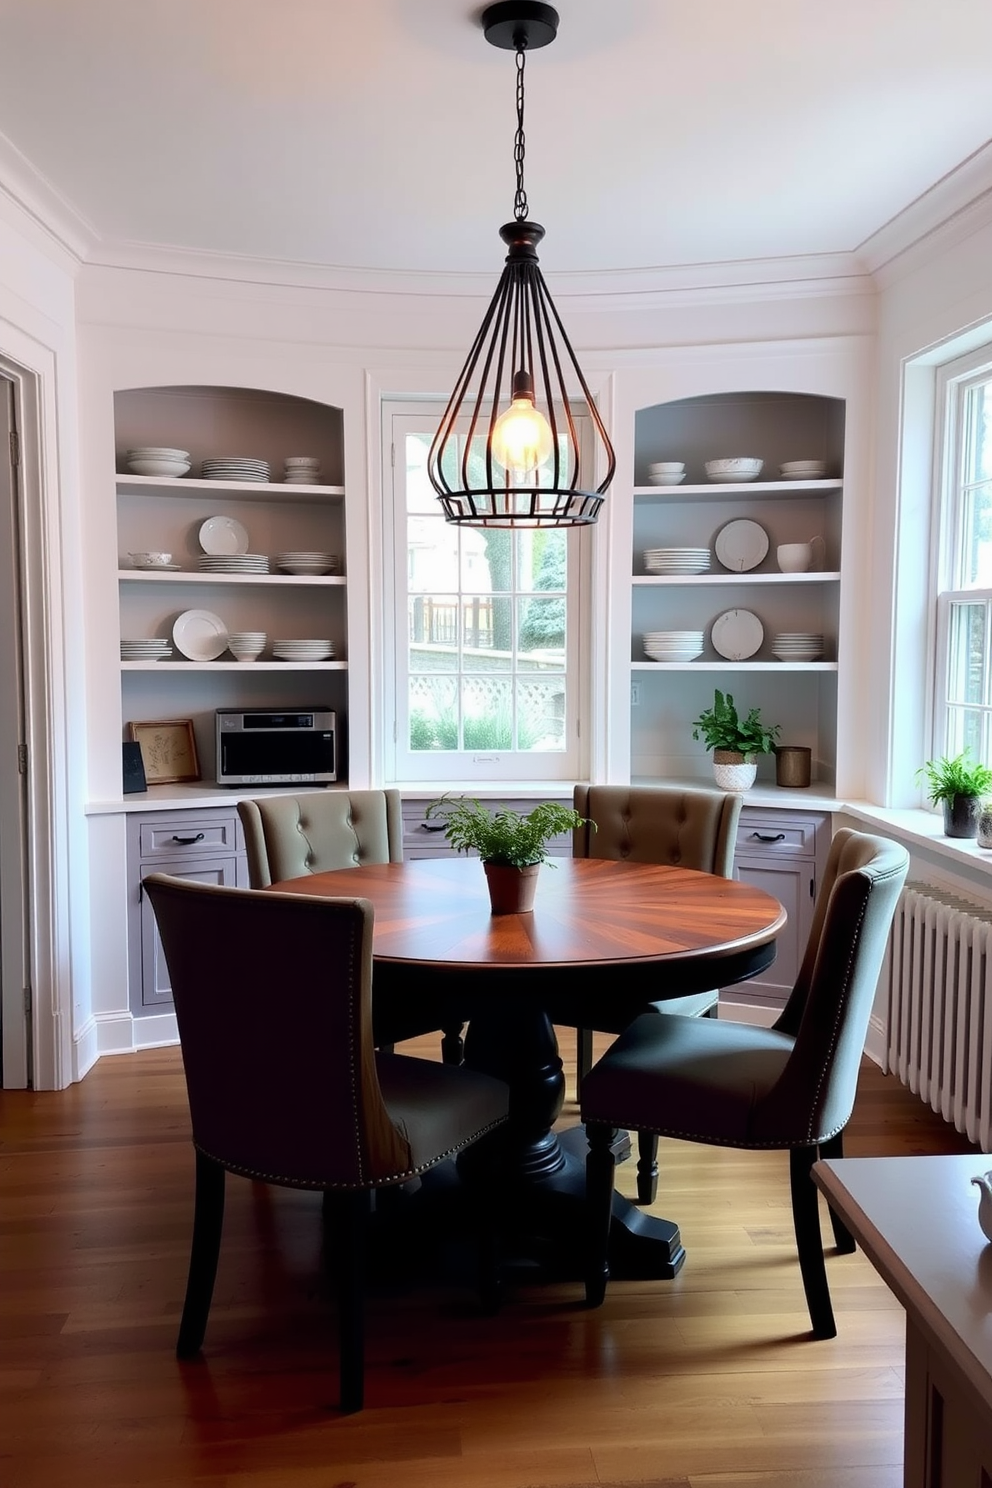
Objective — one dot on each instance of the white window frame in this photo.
(465, 768)
(951, 589)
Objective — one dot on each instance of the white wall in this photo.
(37, 338)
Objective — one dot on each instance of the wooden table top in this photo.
(587, 910)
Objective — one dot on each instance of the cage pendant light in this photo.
(521, 390)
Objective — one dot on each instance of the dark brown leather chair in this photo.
(732, 1084)
(287, 836)
(273, 996)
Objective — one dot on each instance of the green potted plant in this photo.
(735, 742)
(512, 846)
(957, 783)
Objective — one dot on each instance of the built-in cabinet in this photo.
(205, 845)
(163, 514)
(801, 695)
(782, 852)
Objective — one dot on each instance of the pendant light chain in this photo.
(520, 198)
(521, 405)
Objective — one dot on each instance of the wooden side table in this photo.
(916, 1219)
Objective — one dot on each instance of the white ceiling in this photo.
(378, 134)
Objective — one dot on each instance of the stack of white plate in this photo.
(154, 459)
(308, 563)
(673, 645)
(303, 650)
(152, 649)
(301, 470)
(235, 468)
(803, 470)
(797, 645)
(676, 560)
(240, 563)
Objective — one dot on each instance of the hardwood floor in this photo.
(711, 1380)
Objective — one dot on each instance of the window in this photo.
(962, 712)
(485, 676)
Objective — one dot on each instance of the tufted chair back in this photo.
(659, 824)
(287, 836)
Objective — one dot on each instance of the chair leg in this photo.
(452, 1043)
(809, 1241)
(600, 1169)
(583, 1057)
(344, 1252)
(647, 1167)
(843, 1239)
(208, 1221)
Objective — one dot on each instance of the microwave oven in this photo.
(266, 746)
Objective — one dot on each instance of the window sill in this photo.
(923, 831)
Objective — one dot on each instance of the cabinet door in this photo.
(791, 882)
(155, 987)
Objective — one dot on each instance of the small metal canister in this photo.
(792, 765)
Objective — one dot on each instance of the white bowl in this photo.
(157, 466)
(150, 560)
(665, 477)
(672, 466)
(742, 468)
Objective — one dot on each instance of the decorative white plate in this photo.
(223, 535)
(200, 635)
(737, 634)
(741, 545)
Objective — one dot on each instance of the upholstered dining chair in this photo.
(287, 836)
(273, 996)
(688, 828)
(791, 1086)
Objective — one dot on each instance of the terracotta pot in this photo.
(511, 890)
(733, 771)
(961, 816)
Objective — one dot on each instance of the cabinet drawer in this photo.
(774, 832)
(194, 836)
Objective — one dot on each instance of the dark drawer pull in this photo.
(426, 826)
(764, 837)
(188, 841)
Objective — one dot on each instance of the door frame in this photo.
(45, 892)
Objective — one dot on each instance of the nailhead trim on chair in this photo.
(384, 1182)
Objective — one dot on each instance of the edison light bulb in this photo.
(522, 438)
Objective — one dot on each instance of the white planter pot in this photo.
(733, 772)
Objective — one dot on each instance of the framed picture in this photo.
(168, 750)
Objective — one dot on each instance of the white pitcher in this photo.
(798, 557)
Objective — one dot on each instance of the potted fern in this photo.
(736, 742)
(958, 784)
(512, 846)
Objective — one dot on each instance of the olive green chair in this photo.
(791, 1086)
(287, 836)
(688, 828)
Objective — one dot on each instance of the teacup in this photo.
(798, 557)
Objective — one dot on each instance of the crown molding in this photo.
(954, 208)
(633, 289)
(55, 222)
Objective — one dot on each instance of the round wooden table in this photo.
(601, 933)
